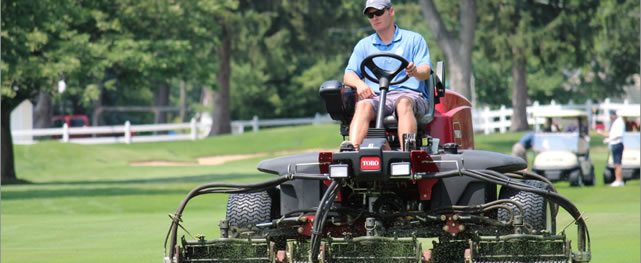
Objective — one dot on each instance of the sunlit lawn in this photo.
(86, 204)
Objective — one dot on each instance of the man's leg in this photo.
(618, 172)
(363, 114)
(405, 117)
(617, 156)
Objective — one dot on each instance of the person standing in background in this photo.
(615, 145)
(520, 148)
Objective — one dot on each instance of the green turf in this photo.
(86, 204)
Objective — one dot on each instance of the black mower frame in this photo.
(487, 168)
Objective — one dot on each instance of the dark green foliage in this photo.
(574, 49)
(615, 53)
(119, 52)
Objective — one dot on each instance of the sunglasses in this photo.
(376, 13)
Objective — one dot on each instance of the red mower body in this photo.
(453, 121)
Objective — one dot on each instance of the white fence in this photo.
(491, 121)
(255, 123)
(484, 120)
(128, 133)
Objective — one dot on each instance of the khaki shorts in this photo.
(419, 103)
(519, 151)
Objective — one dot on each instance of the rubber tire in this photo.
(575, 177)
(244, 211)
(608, 176)
(535, 205)
(588, 180)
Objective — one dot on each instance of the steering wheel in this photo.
(379, 73)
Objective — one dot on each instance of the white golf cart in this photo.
(562, 147)
(631, 155)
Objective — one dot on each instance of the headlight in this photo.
(400, 169)
(338, 170)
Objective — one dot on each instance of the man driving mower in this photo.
(405, 100)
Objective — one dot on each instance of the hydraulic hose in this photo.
(319, 220)
(583, 235)
(224, 188)
(531, 175)
(331, 192)
(528, 175)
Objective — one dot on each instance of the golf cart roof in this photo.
(559, 113)
(629, 112)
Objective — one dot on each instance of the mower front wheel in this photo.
(244, 211)
(539, 213)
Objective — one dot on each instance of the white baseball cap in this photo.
(378, 4)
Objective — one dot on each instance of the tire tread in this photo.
(246, 210)
(533, 204)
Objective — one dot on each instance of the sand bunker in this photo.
(211, 160)
(217, 160)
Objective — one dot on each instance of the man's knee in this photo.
(404, 106)
(363, 112)
(363, 109)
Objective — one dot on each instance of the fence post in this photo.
(606, 107)
(534, 108)
(194, 129)
(502, 119)
(65, 132)
(316, 120)
(127, 132)
(255, 123)
(486, 120)
(588, 108)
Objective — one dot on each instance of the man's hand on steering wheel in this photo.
(365, 92)
(379, 73)
(411, 70)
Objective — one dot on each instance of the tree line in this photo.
(239, 58)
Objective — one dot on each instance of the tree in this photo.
(614, 56)
(40, 40)
(221, 116)
(457, 43)
(537, 39)
(164, 42)
(209, 28)
(285, 50)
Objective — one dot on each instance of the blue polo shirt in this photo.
(410, 45)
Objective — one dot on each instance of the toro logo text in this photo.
(370, 163)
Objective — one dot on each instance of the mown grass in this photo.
(87, 204)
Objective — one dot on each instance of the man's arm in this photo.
(421, 72)
(362, 89)
(421, 58)
(351, 77)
